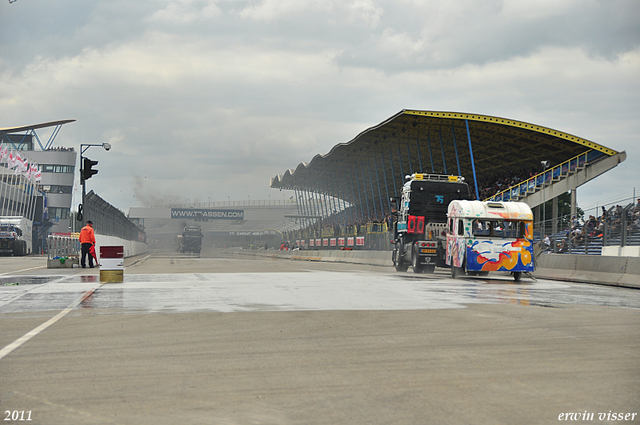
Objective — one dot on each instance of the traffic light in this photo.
(86, 171)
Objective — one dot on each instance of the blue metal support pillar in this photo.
(473, 164)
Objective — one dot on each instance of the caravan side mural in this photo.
(490, 236)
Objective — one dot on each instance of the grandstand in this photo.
(361, 175)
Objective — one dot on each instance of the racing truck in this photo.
(15, 235)
(419, 230)
(191, 240)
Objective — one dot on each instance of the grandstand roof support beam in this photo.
(386, 184)
(419, 156)
(355, 200)
(334, 213)
(341, 196)
(393, 176)
(303, 206)
(373, 191)
(455, 147)
(473, 164)
(433, 170)
(409, 156)
(375, 167)
(444, 161)
(364, 186)
(297, 194)
(401, 170)
(310, 206)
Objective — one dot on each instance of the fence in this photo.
(62, 247)
(370, 236)
(617, 226)
(110, 221)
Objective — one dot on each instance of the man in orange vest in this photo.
(87, 240)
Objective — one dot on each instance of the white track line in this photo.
(23, 270)
(26, 337)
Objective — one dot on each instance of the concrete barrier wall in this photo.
(131, 248)
(616, 271)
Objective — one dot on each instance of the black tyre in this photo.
(415, 261)
(517, 276)
(399, 263)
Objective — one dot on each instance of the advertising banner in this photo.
(340, 241)
(332, 242)
(360, 240)
(207, 214)
(350, 241)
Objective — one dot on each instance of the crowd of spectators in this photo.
(496, 183)
(577, 233)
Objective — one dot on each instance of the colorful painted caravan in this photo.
(489, 236)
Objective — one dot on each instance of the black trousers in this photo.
(85, 252)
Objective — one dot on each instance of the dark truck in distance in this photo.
(191, 240)
(419, 236)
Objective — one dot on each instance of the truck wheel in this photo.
(400, 265)
(517, 276)
(415, 261)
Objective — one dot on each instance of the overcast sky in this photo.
(207, 100)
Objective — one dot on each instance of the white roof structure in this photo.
(490, 210)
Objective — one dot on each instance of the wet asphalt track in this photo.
(286, 286)
(232, 340)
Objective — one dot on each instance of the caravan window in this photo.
(499, 228)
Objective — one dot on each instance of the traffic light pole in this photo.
(84, 162)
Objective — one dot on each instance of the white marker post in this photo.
(111, 264)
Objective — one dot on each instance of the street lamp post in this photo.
(86, 172)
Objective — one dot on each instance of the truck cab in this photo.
(419, 236)
(15, 236)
